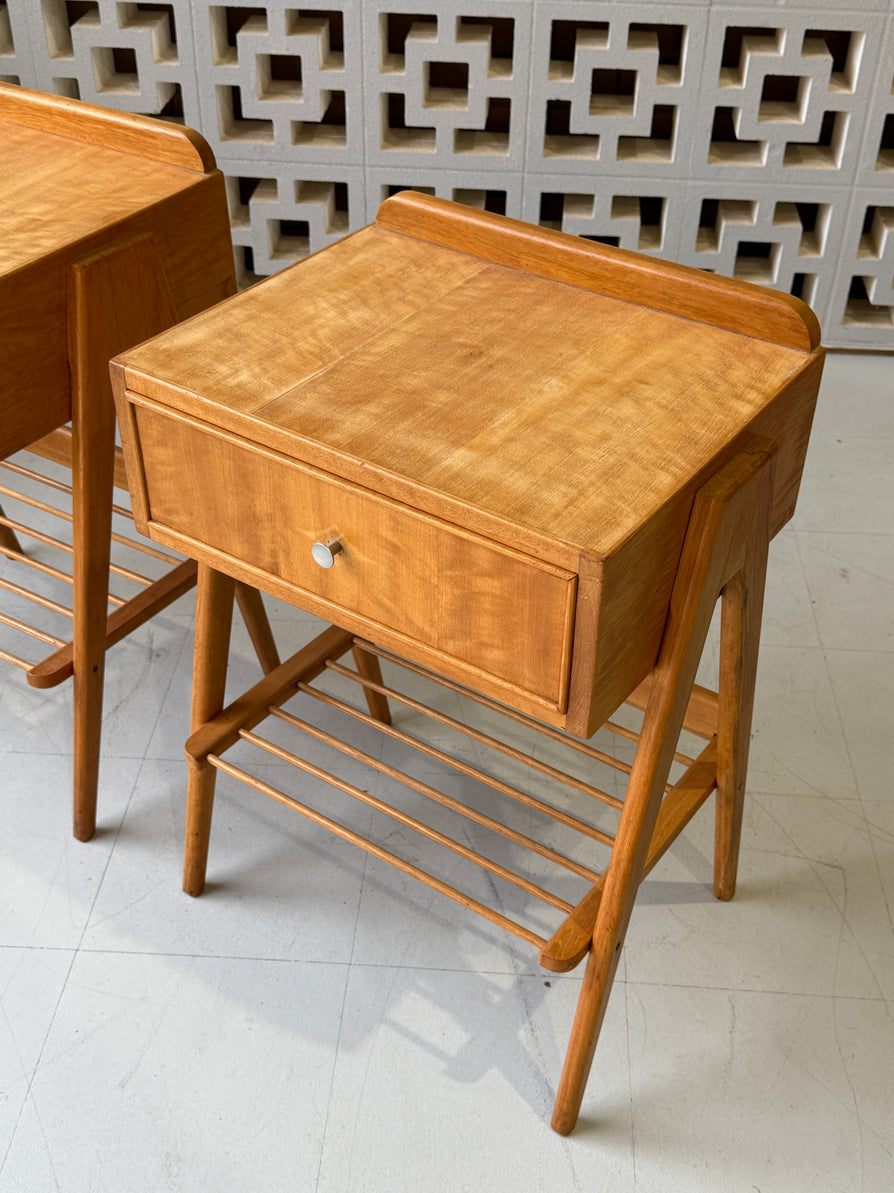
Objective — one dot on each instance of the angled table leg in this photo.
(727, 514)
(741, 607)
(251, 606)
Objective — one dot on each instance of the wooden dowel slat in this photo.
(36, 504)
(30, 630)
(143, 546)
(60, 486)
(146, 548)
(48, 541)
(385, 855)
(701, 712)
(30, 531)
(46, 570)
(464, 768)
(455, 805)
(484, 739)
(632, 735)
(50, 481)
(253, 706)
(14, 659)
(43, 601)
(418, 826)
(495, 706)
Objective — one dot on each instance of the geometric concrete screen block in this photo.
(614, 88)
(642, 214)
(281, 212)
(487, 190)
(447, 86)
(783, 102)
(279, 82)
(134, 57)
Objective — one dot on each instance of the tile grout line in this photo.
(349, 965)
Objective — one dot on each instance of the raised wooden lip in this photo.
(721, 302)
(159, 140)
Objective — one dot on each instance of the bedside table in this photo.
(522, 463)
(112, 227)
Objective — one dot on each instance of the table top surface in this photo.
(566, 411)
(58, 191)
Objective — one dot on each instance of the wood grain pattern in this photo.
(399, 568)
(90, 124)
(550, 417)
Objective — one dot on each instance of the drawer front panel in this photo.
(487, 606)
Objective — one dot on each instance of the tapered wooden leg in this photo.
(368, 666)
(251, 606)
(719, 531)
(214, 616)
(115, 298)
(94, 443)
(740, 627)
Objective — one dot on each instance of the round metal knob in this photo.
(324, 553)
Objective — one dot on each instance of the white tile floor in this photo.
(319, 1022)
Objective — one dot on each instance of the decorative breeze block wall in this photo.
(753, 140)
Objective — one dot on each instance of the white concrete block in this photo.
(132, 56)
(446, 84)
(281, 83)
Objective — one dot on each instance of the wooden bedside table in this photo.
(527, 463)
(112, 227)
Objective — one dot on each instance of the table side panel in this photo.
(34, 381)
(634, 582)
(484, 605)
(787, 422)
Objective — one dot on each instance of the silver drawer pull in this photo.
(324, 553)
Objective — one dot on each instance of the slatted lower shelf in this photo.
(41, 524)
(583, 862)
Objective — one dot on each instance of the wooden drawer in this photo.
(483, 612)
